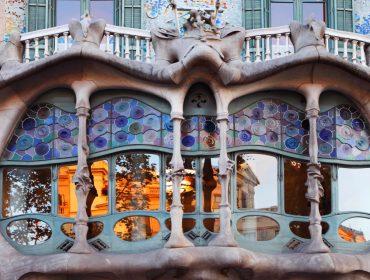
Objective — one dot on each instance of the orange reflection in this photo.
(137, 182)
(211, 185)
(98, 197)
(136, 228)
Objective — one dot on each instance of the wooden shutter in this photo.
(37, 14)
(344, 15)
(253, 14)
(132, 13)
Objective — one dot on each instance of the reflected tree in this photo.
(134, 173)
(26, 191)
(28, 231)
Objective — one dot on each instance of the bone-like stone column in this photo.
(177, 238)
(82, 178)
(225, 238)
(314, 178)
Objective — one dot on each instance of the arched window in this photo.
(130, 140)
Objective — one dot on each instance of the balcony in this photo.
(135, 44)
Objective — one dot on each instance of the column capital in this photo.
(177, 115)
(83, 111)
(312, 112)
(224, 116)
(83, 89)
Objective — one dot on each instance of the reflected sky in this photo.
(102, 9)
(353, 195)
(67, 10)
(281, 14)
(359, 224)
(265, 169)
(313, 10)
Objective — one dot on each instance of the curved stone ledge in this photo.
(242, 72)
(186, 263)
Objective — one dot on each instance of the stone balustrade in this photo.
(260, 44)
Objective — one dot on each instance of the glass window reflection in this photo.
(355, 230)
(354, 189)
(188, 187)
(281, 13)
(210, 184)
(67, 10)
(102, 9)
(257, 182)
(97, 200)
(26, 191)
(314, 11)
(137, 182)
(295, 176)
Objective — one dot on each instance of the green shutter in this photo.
(253, 14)
(132, 13)
(118, 12)
(344, 15)
(37, 14)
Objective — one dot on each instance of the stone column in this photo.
(82, 178)
(177, 238)
(225, 238)
(314, 178)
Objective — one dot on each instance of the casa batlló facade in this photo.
(185, 140)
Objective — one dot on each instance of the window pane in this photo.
(295, 177)
(210, 184)
(257, 182)
(187, 191)
(137, 228)
(97, 200)
(102, 9)
(258, 228)
(26, 191)
(137, 182)
(281, 13)
(29, 231)
(67, 10)
(313, 10)
(355, 230)
(354, 189)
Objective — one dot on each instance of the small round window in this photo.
(95, 228)
(137, 228)
(28, 231)
(355, 230)
(258, 228)
(301, 229)
(187, 224)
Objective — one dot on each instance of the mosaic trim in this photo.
(46, 132)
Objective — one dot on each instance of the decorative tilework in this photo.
(45, 132)
(362, 16)
(294, 130)
(326, 134)
(127, 121)
(209, 134)
(352, 134)
(259, 124)
(190, 134)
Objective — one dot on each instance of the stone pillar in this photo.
(177, 238)
(314, 178)
(82, 178)
(225, 238)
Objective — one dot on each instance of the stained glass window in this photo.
(259, 124)
(272, 123)
(352, 134)
(45, 132)
(326, 134)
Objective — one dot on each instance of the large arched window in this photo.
(130, 139)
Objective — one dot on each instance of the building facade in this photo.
(190, 139)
